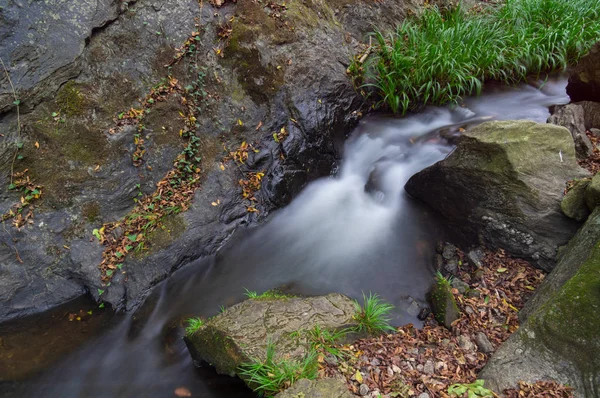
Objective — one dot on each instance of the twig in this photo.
(16, 102)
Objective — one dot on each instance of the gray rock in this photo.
(591, 113)
(592, 193)
(363, 390)
(241, 333)
(87, 60)
(449, 252)
(423, 395)
(503, 186)
(584, 80)
(322, 388)
(465, 343)
(483, 343)
(451, 267)
(572, 117)
(573, 204)
(476, 257)
(459, 285)
(596, 132)
(559, 337)
(428, 368)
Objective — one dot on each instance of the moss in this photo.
(69, 99)
(569, 323)
(161, 238)
(442, 301)
(91, 211)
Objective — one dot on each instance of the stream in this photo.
(353, 232)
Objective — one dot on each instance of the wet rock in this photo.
(573, 204)
(449, 252)
(584, 80)
(451, 267)
(322, 388)
(503, 186)
(559, 336)
(571, 117)
(442, 301)
(101, 57)
(592, 193)
(483, 343)
(363, 390)
(424, 313)
(241, 334)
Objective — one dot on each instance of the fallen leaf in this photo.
(37, 145)
(358, 376)
(182, 392)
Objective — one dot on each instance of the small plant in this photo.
(373, 316)
(271, 376)
(325, 340)
(473, 390)
(269, 294)
(194, 324)
(443, 281)
(222, 309)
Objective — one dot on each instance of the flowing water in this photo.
(354, 232)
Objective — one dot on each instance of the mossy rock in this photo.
(442, 301)
(573, 204)
(241, 333)
(592, 193)
(560, 338)
(323, 388)
(503, 185)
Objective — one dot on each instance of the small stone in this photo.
(478, 274)
(363, 390)
(439, 262)
(396, 369)
(449, 251)
(451, 267)
(459, 285)
(595, 132)
(429, 368)
(465, 343)
(390, 371)
(483, 343)
(476, 257)
(474, 293)
(414, 308)
(375, 362)
(469, 310)
(331, 360)
(423, 395)
(420, 368)
(413, 351)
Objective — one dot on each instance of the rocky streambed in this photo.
(158, 130)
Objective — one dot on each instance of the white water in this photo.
(351, 233)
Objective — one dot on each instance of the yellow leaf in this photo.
(320, 102)
(240, 122)
(358, 376)
(37, 145)
(501, 270)
(221, 166)
(214, 204)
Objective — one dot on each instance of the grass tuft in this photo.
(269, 294)
(194, 324)
(442, 55)
(373, 316)
(326, 341)
(272, 375)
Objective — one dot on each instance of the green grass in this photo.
(441, 280)
(326, 341)
(193, 325)
(272, 375)
(474, 390)
(269, 294)
(441, 56)
(373, 315)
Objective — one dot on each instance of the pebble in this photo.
(465, 343)
(375, 362)
(423, 395)
(449, 251)
(428, 368)
(475, 257)
(483, 343)
(424, 313)
(396, 369)
(390, 371)
(363, 390)
(459, 285)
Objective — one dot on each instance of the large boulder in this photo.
(560, 336)
(503, 185)
(322, 388)
(573, 204)
(241, 333)
(584, 81)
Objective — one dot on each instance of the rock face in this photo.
(571, 116)
(241, 333)
(560, 336)
(503, 185)
(79, 68)
(322, 388)
(584, 81)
